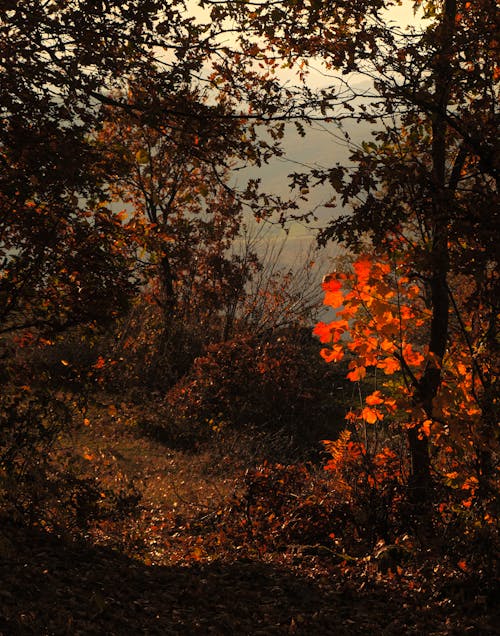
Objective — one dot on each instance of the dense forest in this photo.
(195, 437)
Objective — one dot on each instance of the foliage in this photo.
(180, 215)
(424, 190)
(279, 508)
(281, 505)
(247, 383)
(381, 321)
(141, 104)
(68, 258)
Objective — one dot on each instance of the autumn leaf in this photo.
(101, 362)
(363, 267)
(357, 374)
(332, 287)
(333, 299)
(323, 331)
(426, 428)
(331, 283)
(331, 331)
(406, 313)
(387, 346)
(338, 327)
(412, 358)
(374, 399)
(372, 416)
(333, 355)
(389, 365)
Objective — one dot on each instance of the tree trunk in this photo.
(168, 299)
(420, 479)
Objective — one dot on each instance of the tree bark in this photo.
(427, 388)
(168, 298)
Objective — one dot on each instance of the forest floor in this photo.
(170, 569)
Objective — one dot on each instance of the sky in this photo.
(323, 146)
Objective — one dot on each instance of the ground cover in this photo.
(200, 554)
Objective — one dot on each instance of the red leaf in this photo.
(323, 331)
(363, 267)
(331, 284)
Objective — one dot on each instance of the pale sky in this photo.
(320, 148)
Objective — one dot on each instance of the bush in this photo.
(250, 384)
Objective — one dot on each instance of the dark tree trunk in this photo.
(168, 299)
(427, 388)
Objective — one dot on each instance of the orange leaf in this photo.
(374, 399)
(413, 358)
(406, 313)
(323, 331)
(461, 368)
(363, 267)
(333, 299)
(338, 327)
(426, 428)
(387, 346)
(358, 373)
(331, 284)
(371, 415)
(389, 365)
(100, 363)
(333, 355)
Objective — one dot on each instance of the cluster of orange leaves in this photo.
(376, 311)
(380, 320)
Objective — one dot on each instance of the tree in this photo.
(65, 260)
(420, 188)
(180, 212)
(64, 66)
(427, 186)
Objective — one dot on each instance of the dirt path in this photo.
(143, 576)
(52, 588)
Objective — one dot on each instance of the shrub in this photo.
(254, 384)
